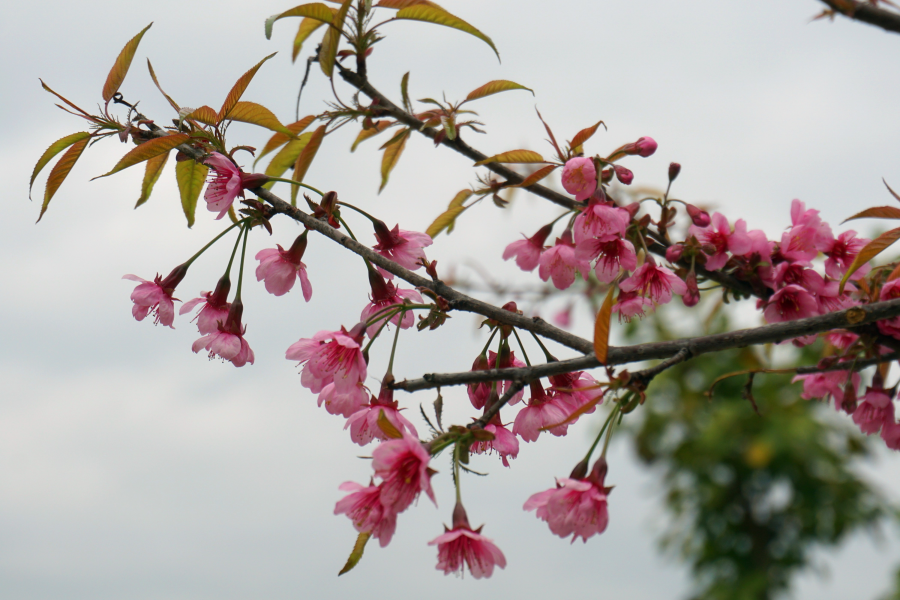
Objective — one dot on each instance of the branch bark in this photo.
(866, 13)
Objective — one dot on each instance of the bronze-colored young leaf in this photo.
(601, 327)
(257, 114)
(190, 176)
(172, 103)
(514, 156)
(371, 132)
(238, 89)
(398, 4)
(204, 114)
(876, 212)
(387, 427)
(330, 40)
(54, 149)
(285, 158)
(60, 171)
(536, 176)
(404, 92)
(120, 68)
(305, 158)
(279, 139)
(314, 10)
(495, 87)
(391, 156)
(584, 135)
(148, 150)
(893, 193)
(439, 16)
(870, 251)
(151, 174)
(47, 88)
(357, 552)
(306, 29)
(446, 220)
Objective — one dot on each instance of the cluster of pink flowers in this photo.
(576, 506)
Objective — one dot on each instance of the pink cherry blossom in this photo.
(692, 296)
(227, 184)
(602, 221)
(841, 252)
(363, 424)
(578, 391)
(209, 315)
(365, 509)
(228, 342)
(331, 357)
(630, 304)
(406, 248)
(528, 251)
(344, 402)
(875, 409)
(155, 297)
(462, 546)
(384, 295)
(798, 273)
(890, 291)
(280, 268)
(402, 465)
(542, 411)
(576, 507)
(789, 303)
(832, 384)
(655, 282)
(560, 263)
(808, 235)
(579, 177)
(612, 256)
(504, 443)
(479, 392)
(721, 239)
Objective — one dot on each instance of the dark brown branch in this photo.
(845, 319)
(849, 365)
(484, 419)
(645, 376)
(866, 13)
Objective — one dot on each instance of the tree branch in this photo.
(866, 13)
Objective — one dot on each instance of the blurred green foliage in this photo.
(750, 495)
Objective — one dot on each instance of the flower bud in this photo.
(673, 253)
(606, 175)
(623, 174)
(645, 146)
(692, 297)
(699, 217)
(674, 170)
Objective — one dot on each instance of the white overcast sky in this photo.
(132, 468)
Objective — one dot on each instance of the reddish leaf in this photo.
(870, 251)
(204, 114)
(238, 90)
(495, 87)
(190, 176)
(371, 132)
(391, 156)
(151, 175)
(148, 150)
(514, 156)
(46, 87)
(256, 114)
(584, 135)
(332, 37)
(398, 4)
(120, 68)
(159, 87)
(536, 176)
(893, 193)
(315, 10)
(301, 166)
(306, 29)
(439, 16)
(584, 408)
(279, 139)
(601, 327)
(54, 149)
(357, 552)
(876, 212)
(60, 171)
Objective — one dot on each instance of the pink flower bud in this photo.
(699, 217)
(646, 146)
(673, 253)
(623, 174)
(692, 297)
(674, 170)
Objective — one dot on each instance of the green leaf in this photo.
(449, 126)
(315, 10)
(306, 29)
(148, 150)
(494, 87)
(387, 427)
(332, 37)
(54, 149)
(60, 171)
(870, 251)
(305, 158)
(439, 16)
(120, 67)
(876, 212)
(238, 89)
(172, 103)
(256, 114)
(584, 135)
(279, 139)
(536, 176)
(404, 92)
(357, 552)
(391, 156)
(151, 175)
(446, 220)
(190, 176)
(514, 156)
(286, 157)
(371, 132)
(601, 327)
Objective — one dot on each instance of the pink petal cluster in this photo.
(280, 268)
(479, 392)
(368, 514)
(875, 410)
(719, 239)
(228, 342)
(402, 465)
(528, 251)
(576, 507)
(385, 295)
(579, 177)
(406, 248)
(655, 283)
(155, 297)
(215, 307)
(542, 411)
(227, 183)
(505, 443)
(560, 263)
(461, 546)
(363, 423)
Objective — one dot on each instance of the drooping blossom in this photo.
(280, 268)
(890, 291)
(406, 248)
(831, 384)
(462, 546)
(542, 411)
(789, 303)
(363, 506)
(560, 263)
(505, 443)
(720, 238)
(331, 357)
(215, 307)
(654, 282)
(363, 424)
(578, 390)
(841, 252)
(344, 402)
(228, 183)
(384, 295)
(807, 236)
(528, 251)
(630, 305)
(576, 507)
(600, 220)
(402, 465)
(155, 297)
(228, 342)
(875, 409)
(579, 177)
